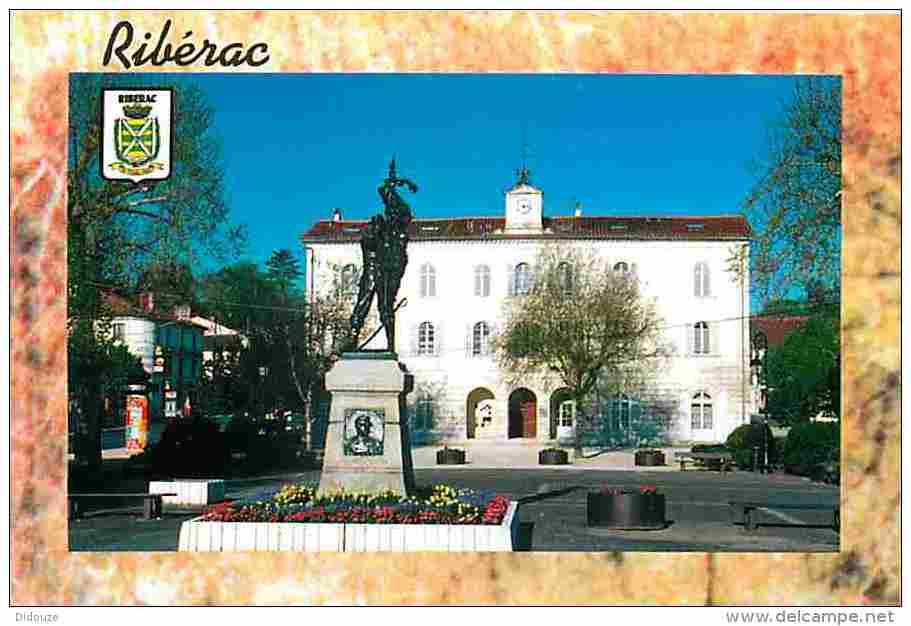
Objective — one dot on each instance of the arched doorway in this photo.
(478, 411)
(523, 414)
(562, 415)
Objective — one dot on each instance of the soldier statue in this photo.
(383, 244)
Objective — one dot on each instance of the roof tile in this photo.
(662, 228)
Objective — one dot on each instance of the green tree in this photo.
(785, 307)
(581, 322)
(171, 282)
(283, 269)
(803, 374)
(238, 296)
(102, 368)
(117, 229)
(295, 336)
(795, 205)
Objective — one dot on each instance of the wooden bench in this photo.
(151, 502)
(749, 518)
(725, 462)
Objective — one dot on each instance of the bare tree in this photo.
(579, 322)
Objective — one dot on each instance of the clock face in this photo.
(524, 207)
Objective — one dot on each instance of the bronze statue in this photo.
(383, 244)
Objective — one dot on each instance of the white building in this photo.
(217, 337)
(460, 270)
(144, 327)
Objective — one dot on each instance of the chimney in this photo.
(336, 215)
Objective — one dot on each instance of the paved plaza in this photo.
(553, 506)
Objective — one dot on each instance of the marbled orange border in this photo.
(864, 49)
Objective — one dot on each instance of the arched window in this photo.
(480, 336)
(564, 277)
(426, 339)
(701, 344)
(701, 280)
(349, 279)
(482, 281)
(567, 412)
(701, 411)
(523, 279)
(622, 267)
(428, 281)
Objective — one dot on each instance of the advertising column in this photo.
(137, 417)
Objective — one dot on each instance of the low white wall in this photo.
(200, 536)
(190, 492)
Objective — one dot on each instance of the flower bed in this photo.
(300, 503)
(296, 518)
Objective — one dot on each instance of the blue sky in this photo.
(297, 145)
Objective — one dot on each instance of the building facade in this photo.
(143, 328)
(461, 270)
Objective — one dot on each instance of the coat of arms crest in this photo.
(137, 127)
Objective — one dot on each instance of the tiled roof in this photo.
(776, 328)
(122, 306)
(654, 228)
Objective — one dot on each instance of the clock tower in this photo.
(524, 206)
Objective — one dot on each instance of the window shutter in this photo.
(696, 286)
(510, 280)
(422, 281)
(706, 290)
(477, 280)
(432, 289)
(468, 331)
(690, 338)
(414, 339)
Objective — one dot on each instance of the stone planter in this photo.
(200, 536)
(649, 458)
(450, 456)
(190, 492)
(553, 456)
(627, 511)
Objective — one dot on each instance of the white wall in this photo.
(666, 270)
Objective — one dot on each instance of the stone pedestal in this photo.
(368, 447)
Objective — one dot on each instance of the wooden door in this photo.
(529, 411)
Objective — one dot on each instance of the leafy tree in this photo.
(117, 228)
(784, 307)
(803, 374)
(795, 204)
(171, 282)
(238, 296)
(295, 337)
(283, 269)
(102, 368)
(581, 322)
